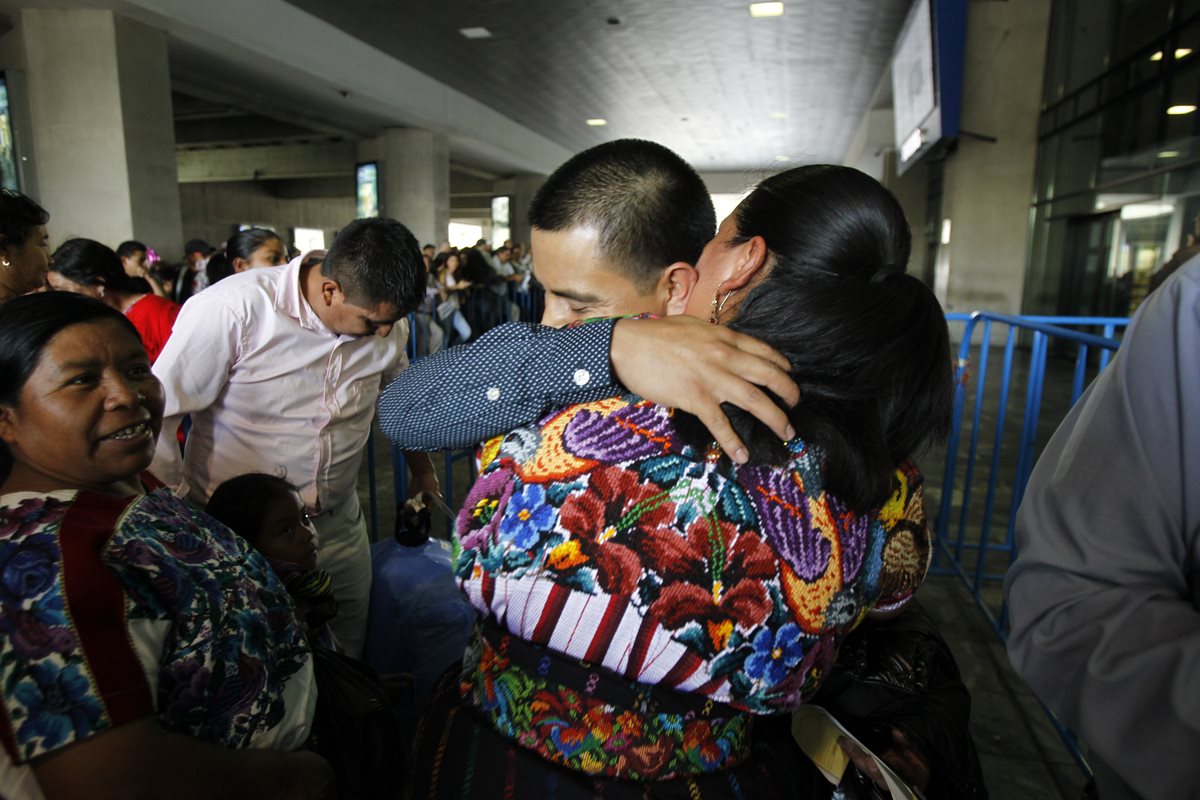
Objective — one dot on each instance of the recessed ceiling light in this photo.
(475, 33)
(777, 115)
(783, 158)
(1179, 111)
(597, 122)
(766, 9)
(1169, 154)
(1156, 55)
(1182, 52)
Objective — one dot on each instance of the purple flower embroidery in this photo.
(483, 508)
(637, 431)
(786, 522)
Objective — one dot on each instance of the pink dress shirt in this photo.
(270, 389)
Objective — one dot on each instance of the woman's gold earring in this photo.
(5, 262)
(714, 316)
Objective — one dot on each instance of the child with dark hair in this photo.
(353, 727)
(268, 513)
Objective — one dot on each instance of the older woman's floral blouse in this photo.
(115, 609)
(596, 533)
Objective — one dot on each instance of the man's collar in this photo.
(290, 299)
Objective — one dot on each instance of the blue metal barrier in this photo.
(996, 463)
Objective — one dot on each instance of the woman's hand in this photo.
(903, 757)
(686, 363)
(140, 760)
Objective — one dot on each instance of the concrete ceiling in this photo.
(727, 91)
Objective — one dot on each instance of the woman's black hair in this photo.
(240, 503)
(27, 325)
(90, 263)
(241, 245)
(868, 342)
(19, 216)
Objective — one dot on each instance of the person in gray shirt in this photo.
(1105, 592)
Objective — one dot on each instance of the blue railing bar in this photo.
(973, 446)
(1080, 372)
(1031, 324)
(373, 495)
(989, 502)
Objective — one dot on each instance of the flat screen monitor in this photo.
(366, 178)
(8, 151)
(927, 69)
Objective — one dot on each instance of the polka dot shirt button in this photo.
(582, 376)
(493, 393)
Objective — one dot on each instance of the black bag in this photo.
(899, 674)
(354, 728)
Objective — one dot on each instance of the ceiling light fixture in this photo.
(1180, 110)
(596, 122)
(475, 33)
(1169, 154)
(783, 158)
(1156, 55)
(766, 9)
(1182, 52)
(777, 115)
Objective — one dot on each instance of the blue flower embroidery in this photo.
(775, 653)
(526, 517)
(59, 705)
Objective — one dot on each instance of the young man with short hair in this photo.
(617, 229)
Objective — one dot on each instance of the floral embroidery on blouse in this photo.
(187, 589)
(598, 534)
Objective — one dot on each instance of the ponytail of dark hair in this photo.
(868, 343)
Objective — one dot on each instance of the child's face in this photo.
(287, 533)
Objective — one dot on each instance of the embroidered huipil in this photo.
(114, 609)
(269, 388)
(597, 534)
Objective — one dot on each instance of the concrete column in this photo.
(989, 185)
(414, 179)
(103, 141)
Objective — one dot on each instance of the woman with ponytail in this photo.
(643, 596)
(248, 249)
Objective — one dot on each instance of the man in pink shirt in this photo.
(280, 370)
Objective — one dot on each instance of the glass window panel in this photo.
(1139, 22)
(1077, 157)
(1089, 27)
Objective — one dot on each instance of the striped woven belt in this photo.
(589, 719)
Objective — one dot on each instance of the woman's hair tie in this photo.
(887, 271)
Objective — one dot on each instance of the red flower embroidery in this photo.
(615, 511)
(712, 575)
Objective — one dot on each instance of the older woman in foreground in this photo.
(146, 651)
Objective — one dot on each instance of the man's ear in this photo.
(676, 285)
(751, 256)
(331, 292)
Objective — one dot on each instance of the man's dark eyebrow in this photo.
(579, 297)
